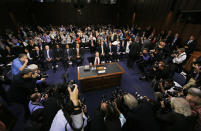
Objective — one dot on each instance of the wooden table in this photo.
(91, 80)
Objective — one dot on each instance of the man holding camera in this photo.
(19, 64)
(178, 60)
(195, 76)
(71, 116)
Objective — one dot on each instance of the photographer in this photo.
(178, 60)
(194, 98)
(195, 76)
(144, 60)
(168, 86)
(70, 117)
(179, 119)
(36, 102)
(108, 118)
(139, 116)
(22, 88)
(158, 71)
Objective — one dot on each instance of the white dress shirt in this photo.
(97, 59)
(127, 47)
(181, 58)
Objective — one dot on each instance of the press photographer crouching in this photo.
(194, 98)
(194, 76)
(21, 88)
(158, 71)
(108, 118)
(71, 117)
(139, 114)
(180, 118)
(38, 76)
(36, 101)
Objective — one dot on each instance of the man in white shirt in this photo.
(179, 59)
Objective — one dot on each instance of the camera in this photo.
(71, 84)
(156, 65)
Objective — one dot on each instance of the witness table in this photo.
(92, 80)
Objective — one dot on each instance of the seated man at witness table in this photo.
(96, 60)
(19, 64)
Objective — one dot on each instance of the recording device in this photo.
(156, 65)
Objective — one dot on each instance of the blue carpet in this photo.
(130, 83)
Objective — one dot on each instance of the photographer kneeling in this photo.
(108, 118)
(71, 116)
(179, 119)
(36, 102)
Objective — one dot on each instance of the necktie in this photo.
(96, 61)
(92, 43)
(48, 56)
(77, 52)
(37, 53)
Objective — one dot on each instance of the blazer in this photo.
(50, 54)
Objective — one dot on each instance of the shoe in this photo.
(143, 78)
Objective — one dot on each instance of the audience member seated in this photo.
(78, 55)
(49, 57)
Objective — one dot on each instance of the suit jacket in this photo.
(51, 55)
(80, 52)
(191, 46)
(112, 49)
(95, 44)
(69, 54)
(175, 44)
(58, 53)
(100, 50)
(37, 56)
(134, 49)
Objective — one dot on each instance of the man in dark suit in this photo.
(58, 54)
(110, 52)
(48, 56)
(118, 52)
(78, 55)
(96, 60)
(134, 48)
(38, 56)
(68, 56)
(175, 43)
(190, 45)
(92, 45)
(102, 50)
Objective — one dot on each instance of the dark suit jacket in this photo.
(58, 53)
(141, 119)
(95, 44)
(112, 49)
(81, 52)
(100, 50)
(66, 55)
(173, 121)
(191, 46)
(37, 56)
(134, 49)
(51, 55)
